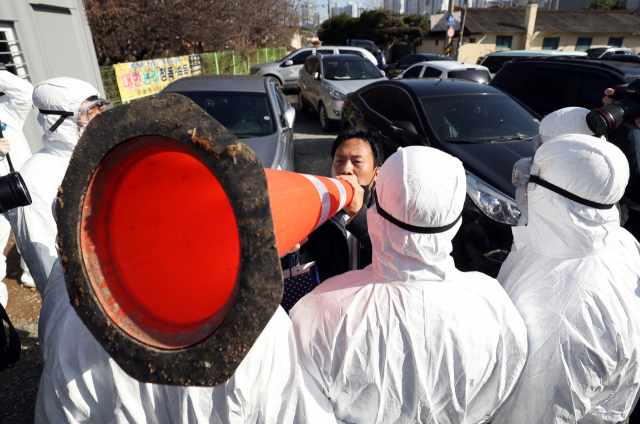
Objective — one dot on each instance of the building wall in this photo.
(55, 40)
(568, 41)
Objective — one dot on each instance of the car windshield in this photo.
(478, 118)
(479, 75)
(596, 52)
(349, 69)
(244, 114)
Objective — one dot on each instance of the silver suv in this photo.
(285, 71)
(325, 81)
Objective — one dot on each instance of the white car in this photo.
(286, 70)
(447, 69)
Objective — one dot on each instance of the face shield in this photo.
(91, 108)
(525, 177)
(537, 141)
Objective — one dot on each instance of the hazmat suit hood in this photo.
(401, 255)
(588, 168)
(569, 120)
(410, 339)
(573, 275)
(62, 95)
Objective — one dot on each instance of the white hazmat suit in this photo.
(35, 229)
(81, 384)
(410, 338)
(573, 274)
(15, 106)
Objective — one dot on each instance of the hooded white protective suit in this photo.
(15, 105)
(81, 384)
(35, 229)
(573, 274)
(410, 338)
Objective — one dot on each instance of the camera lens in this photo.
(605, 119)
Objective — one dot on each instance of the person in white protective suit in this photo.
(410, 338)
(573, 274)
(569, 120)
(15, 105)
(81, 383)
(64, 112)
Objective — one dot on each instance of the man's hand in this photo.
(354, 207)
(5, 147)
(608, 100)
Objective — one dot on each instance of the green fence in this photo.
(219, 63)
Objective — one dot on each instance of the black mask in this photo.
(368, 189)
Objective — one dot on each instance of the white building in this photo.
(307, 13)
(336, 10)
(47, 39)
(317, 19)
(353, 10)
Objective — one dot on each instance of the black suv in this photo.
(548, 84)
(396, 68)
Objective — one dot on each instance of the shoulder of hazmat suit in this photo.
(574, 279)
(80, 382)
(34, 227)
(410, 338)
(15, 105)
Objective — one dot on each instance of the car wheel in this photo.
(302, 106)
(325, 124)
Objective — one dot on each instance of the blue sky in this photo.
(321, 5)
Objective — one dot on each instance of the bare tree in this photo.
(131, 30)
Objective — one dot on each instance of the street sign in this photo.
(451, 32)
(451, 20)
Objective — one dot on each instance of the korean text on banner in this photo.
(147, 77)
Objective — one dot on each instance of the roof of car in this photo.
(343, 56)
(427, 87)
(536, 53)
(627, 68)
(446, 65)
(240, 83)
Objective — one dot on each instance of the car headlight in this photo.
(337, 95)
(491, 202)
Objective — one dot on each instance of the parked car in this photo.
(447, 69)
(286, 71)
(601, 52)
(325, 82)
(396, 68)
(371, 47)
(548, 84)
(485, 128)
(254, 109)
(494, 61)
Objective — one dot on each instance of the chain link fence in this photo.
(218, 63)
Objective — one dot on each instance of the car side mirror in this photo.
(288, 62)
(290, 116)
(405, 128)
(316, 75)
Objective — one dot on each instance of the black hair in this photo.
(363, 134)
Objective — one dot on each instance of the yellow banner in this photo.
(140, 79)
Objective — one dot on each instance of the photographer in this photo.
(627, 139)
(15, 105)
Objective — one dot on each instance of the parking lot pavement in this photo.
(311, 146)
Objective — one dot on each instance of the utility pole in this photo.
(329, 8)
(449, 13)
(464, 19)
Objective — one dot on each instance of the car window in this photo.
(277, 100)
(356, 52)
(407, 60)
(431, 72)
(346, 69)
(412, 72)
(367, 47)
(402, 109)
(315, 66)
(591, 90)
(243, 114)
(549, 83)
(283, 99)
(326, 51)
(494, 63)
(479, 75)
(379, 98)
(300, 57)
(478, 117)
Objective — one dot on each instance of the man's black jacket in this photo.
(329, 248)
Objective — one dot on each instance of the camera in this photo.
(627, 109)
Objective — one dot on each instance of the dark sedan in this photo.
(396, 68)
(482, 126)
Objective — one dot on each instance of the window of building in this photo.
(503, 42)
(550, 43)
(472, 40)
(583, 44)
(615, 41)
(10, 51)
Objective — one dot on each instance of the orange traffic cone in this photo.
(170, 235)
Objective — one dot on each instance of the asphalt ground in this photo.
(19, 384)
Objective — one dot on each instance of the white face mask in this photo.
(81, 131)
